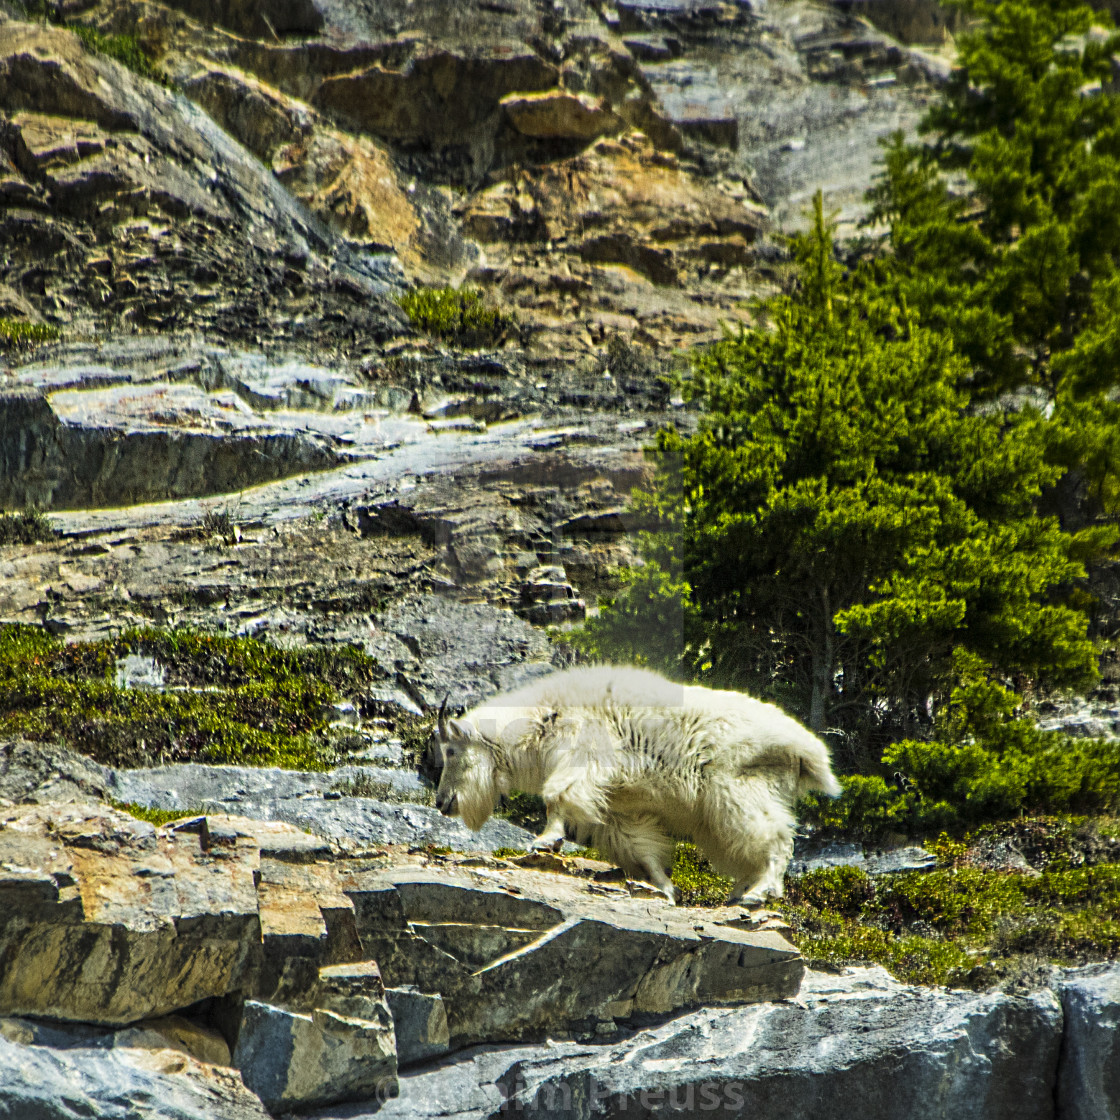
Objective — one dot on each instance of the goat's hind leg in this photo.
(748, 836)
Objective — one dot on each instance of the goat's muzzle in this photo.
(447, 804)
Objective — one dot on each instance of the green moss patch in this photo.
(157, 817)
(125, 49)
(18, 332)
(232, 700)
(456, 314)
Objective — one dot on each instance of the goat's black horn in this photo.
(441, 720)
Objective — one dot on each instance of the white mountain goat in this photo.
(631, 761)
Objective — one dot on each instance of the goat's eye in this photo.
(450, 752)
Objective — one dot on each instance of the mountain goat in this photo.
(631, 761)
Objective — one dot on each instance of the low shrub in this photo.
(456, 314)
(30, 526)
(234, 700)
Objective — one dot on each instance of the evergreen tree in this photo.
(845, 521)
(1007, 220)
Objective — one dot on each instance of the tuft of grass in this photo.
(30, 526)
(19, 332)
(508, 853)
(233, 700)
(456, 314)
(157, 817)
(125, 49)
(220, 523)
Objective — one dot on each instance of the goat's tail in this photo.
(815, 768)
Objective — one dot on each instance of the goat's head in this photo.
(467, 785)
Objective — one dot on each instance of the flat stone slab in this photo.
(857, 1044)
(44, 773)
(500, 945)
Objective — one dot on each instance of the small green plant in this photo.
(456, 314)
(157, 817)
(508, 853)
(19, 332)
(30, 526)
(694, 878)
(125, 49)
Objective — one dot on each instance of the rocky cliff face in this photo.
(605, 170)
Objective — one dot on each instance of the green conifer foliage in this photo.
(844, 520)
(1007, 219)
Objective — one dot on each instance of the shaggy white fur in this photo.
(631, 761)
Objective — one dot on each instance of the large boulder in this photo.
(1089, 1072)
(506, 954)
(73, 1079)
(856, 1044)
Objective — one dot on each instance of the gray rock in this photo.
(361, 822)
(228, 789)
(47, 772)
(296, 1061)
(135, 671)
(44, 772)
(816, 857)
(500, 950)
(420, 1021)
(1089, 1071)
(858, 1044)
(45, 1083)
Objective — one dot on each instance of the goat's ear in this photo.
(462, 729)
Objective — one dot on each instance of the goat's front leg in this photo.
(552, 838)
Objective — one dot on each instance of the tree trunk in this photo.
(822, 667)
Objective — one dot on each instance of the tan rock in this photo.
(440, 97)
(255, 114)
(118, 922)
(351, 183)
(176, 1033)
(558, 114)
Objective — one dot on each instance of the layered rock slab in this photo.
(857, 1044)
(501, 952)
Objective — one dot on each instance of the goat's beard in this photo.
(477, 792)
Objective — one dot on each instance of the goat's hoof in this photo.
(546, 844)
